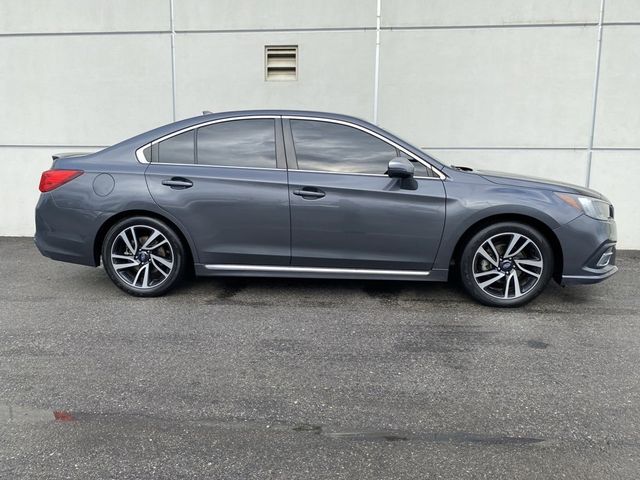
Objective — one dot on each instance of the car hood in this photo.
(534, 182)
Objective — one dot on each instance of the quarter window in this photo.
(238, 143)
(147, 153)
(333, 147)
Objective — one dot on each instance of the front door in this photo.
(347, 213)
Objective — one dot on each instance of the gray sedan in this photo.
(309, 194)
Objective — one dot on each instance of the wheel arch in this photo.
(539, 225)
(104, 228)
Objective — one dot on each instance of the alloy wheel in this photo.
(142, 256)
(507, 265)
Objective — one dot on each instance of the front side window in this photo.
(419, 169)
(332, 147)
(238, 143)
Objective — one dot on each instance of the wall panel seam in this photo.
(317, 29)
(173, 61)
(84, 34)
(595, 149)
(490, 26)
(579, 149)
(25, 145)
(594, 104)
(376, 73)
(279, 30)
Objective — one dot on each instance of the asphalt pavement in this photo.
(314, 379)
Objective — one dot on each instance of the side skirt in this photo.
(318, 272)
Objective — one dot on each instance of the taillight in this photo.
(52, 179)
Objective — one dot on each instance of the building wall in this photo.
(493, 84)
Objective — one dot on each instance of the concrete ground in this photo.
(259, 378)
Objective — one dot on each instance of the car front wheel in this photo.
(506, 264)
(143, 256)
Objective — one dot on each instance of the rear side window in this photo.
(332, 147)
(176, 149)
(238, 143)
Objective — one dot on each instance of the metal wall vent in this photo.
(281, 62)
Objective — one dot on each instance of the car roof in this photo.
(306, 113)
(207, 115)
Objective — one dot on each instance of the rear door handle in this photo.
(178, 183)
(309, 192)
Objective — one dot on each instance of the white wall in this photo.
(494, 84)
(489, 87)
(208, 63)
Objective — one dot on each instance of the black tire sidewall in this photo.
(466, 263)
(176, 244)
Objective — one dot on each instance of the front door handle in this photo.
(309, 192)
(178, 183)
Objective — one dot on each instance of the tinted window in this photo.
(338, 148)
(420, 170)
(177, 149)
(147, 153)
(240, 143)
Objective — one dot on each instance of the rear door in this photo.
(226, 181)
(346, 212)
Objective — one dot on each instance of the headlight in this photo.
(592, 207)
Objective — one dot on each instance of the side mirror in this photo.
(400, 167)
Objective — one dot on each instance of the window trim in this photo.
(438, 175)
(277, 134)
(283, 129)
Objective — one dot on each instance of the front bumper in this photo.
(587, 279)
(589, 250)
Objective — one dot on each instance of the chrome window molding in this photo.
(325, 172)
(440, 175)
(140, 155)
(276, 169)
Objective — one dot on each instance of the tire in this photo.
(143, 256)
(507, 264)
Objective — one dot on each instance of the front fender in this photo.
(469, 204)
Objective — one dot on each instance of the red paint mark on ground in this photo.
(62, 416)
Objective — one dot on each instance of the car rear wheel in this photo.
(506, 265)
(143, 256)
